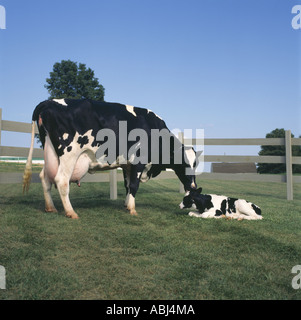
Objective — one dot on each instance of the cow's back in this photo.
(68, 117)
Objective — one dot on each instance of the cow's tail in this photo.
(28, 168)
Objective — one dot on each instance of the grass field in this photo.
(160, 254)
(18, 167)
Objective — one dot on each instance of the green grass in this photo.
(160, 254)
(18, 167)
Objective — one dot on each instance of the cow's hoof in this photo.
(133, 212)
(72, 215)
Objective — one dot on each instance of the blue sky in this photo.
(230, 67)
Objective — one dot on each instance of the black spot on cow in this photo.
(218, 213)
(223, 206)
(69, 148)
(209, 203)
(82, 141)
(60, 150)
(256, 209)
(231, 205)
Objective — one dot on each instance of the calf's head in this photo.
(194, 199)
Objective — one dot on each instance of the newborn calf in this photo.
(215, 206)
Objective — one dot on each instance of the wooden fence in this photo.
(112, 176)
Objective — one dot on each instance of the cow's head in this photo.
(187, 170)
(194, 199)
(192, 159)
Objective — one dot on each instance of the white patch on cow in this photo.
(131, 202)
(76, 146)
(101, 161)
(65, 136)
(81, 167)
(121, 160)
(144, 177)
(61, 101)
(244, 210)
(217, 200)
(148, 111)
(190, 156)
(132, 158)
(181, 205)
(131, 110)
(83, 155)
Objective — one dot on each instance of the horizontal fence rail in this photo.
(113, 176)
(243, 142)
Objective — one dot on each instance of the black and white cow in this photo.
(73, 131)
(216, 206)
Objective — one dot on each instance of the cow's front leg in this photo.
(131, 205)
(135, 173)
(62, 180)
(127, 178)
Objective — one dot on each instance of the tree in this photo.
(277, 151)
(71, 80)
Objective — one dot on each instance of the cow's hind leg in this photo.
(62, 180)
(46, 184)
(245, 211)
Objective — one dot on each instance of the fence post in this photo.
(289, 165)
(113, 184)
(181, 138)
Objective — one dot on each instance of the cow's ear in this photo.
(198, 158)
(199, 190)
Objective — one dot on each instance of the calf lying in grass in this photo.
(215, 206)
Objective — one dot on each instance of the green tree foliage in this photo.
(71, 80)
(277, 151)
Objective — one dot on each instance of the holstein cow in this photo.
(80, 136)
(216, 206)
